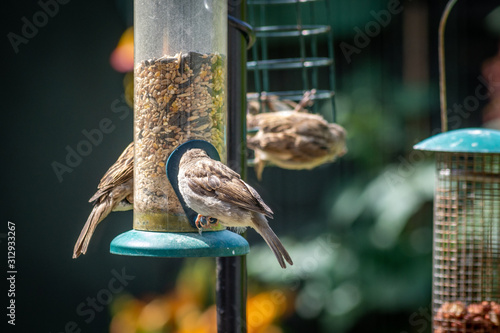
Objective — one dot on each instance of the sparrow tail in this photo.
(259, 168)
(263, 228)
(99, 212)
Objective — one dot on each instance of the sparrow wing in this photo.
(278, 122)
(275, 122)
(314, 138)
(119, 173)
(275, 143)
(294, 136)
(212, 178)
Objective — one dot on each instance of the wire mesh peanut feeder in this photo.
(466, 245)
(466, 269)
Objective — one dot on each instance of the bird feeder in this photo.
(306, 65)
(466, 269)
(180, 52)
(466, 244)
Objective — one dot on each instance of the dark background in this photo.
(61, 83)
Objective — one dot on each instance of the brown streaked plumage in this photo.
(214, 190)
(293, 139)
(115, 193)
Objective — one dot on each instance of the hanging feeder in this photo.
(466, 269)
(306, 65)
(466, 244)
(180, 52)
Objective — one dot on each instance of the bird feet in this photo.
(203, 222)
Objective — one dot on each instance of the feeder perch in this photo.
(180, 66)
(466, 264)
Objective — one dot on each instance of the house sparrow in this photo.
(215, 191)
(295, 140)
(115, 193)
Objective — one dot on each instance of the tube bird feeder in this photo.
(180, 52)
(179, 95)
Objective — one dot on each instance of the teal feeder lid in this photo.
(468, 140)
(221, 243)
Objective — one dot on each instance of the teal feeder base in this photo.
(222, 243)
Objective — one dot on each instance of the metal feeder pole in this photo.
(231, 286)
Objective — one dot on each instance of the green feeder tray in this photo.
(222, 243)
(469, 140)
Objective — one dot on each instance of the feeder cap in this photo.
(222, 243)
(468, 140)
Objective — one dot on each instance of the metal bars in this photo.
(466, 270)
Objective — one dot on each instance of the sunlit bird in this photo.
(115, 193)
(215, 191)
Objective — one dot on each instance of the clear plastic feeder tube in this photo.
(180, 82)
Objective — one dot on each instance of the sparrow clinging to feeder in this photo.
(294, 140)
(115, 193)
(215, 191)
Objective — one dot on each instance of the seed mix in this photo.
(177, 99)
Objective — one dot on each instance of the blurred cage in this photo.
(304, 60)
(466, 267)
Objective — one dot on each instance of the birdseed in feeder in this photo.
(177, 98)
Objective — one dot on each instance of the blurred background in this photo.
(359, 230)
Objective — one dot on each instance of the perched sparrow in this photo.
(115, 193)
(215, 191)
(294, 140)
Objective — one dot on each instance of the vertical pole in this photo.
(231, 294)
(442, 67)
(331, 56)
(231, 288)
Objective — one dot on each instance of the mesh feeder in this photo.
(466, 247)
(466, 242)
(180, 65)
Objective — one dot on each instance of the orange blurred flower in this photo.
(186, 309)
(122, 57)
